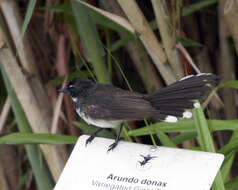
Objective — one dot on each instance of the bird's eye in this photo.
(70, 86)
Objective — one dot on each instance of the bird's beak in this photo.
(64, 90)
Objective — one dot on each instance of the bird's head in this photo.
(77, 87)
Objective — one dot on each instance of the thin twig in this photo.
(137, 53)
(5, 112)
(148, 38)
(40, 123)
(58, 104)
(213, 93)
(169, 39)
(188, 57)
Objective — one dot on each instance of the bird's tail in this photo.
(174, 100)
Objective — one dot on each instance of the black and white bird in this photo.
(107, 106)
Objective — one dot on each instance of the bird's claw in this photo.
(112, 146)
(89, 140)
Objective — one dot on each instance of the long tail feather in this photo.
(173, 100)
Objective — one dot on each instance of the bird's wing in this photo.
(119, 107)
(102, 89)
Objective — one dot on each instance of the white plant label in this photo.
(132, 166)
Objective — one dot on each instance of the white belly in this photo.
(98, 122)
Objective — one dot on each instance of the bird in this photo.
(107, 106)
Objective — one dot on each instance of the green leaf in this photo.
(230, 83)
(106, 21)
(179, 139)
(90, 40)
(188, 42)
(39, 138)
(165, 140)
(232, 145)
(197, 6)
(42, 175)
(203, 130)
(60, 8)
(227, 165)
(96, 16)
(3, 27)
(29, 12)
(121, 43)
(189, 10)
(181, 126)
(184, 126)
(206, 141)
(232, 184)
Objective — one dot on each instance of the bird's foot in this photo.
(90, 139)
(112, 146)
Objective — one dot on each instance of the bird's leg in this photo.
(113, 145)
(89, 140)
